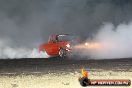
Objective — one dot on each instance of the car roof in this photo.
(62, 34)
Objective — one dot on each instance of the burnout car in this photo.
(59, 45)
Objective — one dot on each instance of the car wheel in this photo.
(62, 53)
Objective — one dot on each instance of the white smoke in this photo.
(116, 42)
(9, 52)
(36, 54)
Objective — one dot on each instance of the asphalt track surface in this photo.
(55, 65)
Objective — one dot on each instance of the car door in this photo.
(54, 46)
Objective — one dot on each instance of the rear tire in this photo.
(62, 53)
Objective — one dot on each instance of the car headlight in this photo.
(86, 44)
(68, 45)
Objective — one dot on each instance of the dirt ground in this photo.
(57, 73)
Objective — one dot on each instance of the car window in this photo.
(49, 39)
(53, 39)
(65, 38)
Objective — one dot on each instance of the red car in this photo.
(58, 45)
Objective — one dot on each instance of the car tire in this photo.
(62, 53)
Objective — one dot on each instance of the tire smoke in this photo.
(7, 51)
(116, 42)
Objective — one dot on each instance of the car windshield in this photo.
(66, 38)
